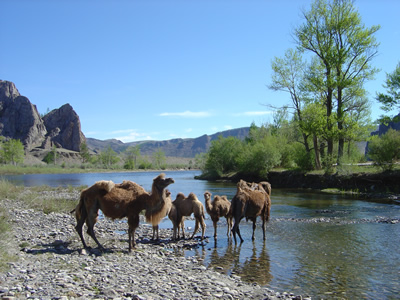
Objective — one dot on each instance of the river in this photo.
(323, 246)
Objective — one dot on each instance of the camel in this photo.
(117, 201)
(178, 222)
(155, 217)
(219, 207)
(185, 207)
(250, 202)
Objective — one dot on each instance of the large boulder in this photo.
(64, 129)
(19, 118)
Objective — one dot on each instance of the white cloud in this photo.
(227, 127)
(253, 113)
(132, 135)
(187, 114)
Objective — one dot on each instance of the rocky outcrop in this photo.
(19, 119)
(64, 128)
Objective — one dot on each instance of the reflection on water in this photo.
(324, 246)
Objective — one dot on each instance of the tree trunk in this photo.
(317, 153)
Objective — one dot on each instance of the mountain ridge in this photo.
(177, 147)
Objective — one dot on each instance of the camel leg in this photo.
(196, 227)
(203, 228)
(133, 223)
(90, 222)
(229, 223)
(215, 229)
(254, 229)
(79, 226)
(155, 230)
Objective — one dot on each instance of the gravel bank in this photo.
(51, 264)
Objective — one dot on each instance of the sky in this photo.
(159, 70)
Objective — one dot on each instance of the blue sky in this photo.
(137, 70)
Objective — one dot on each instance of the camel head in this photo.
(161, 182)
(207, 196)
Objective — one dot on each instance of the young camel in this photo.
(155, 217)
(117, 201)
(250, 203)
(177, 222)
(185, 207)
(219, 207)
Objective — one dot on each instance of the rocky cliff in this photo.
(19, 119)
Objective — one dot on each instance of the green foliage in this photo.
(108, 158)
(84, 153)
(257, 159)
(222, 156)
(51, 157)
(132, 156)
(145, 164)
(159, 159)
(12, 152)
(385, 150)
(302, 159)
(391, 100)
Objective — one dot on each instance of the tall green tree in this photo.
(289, 76)
(159, 159)
(132, 156)
(332, 31)
(391, 100)
(84, 153)
(108, 157)
(12, 151)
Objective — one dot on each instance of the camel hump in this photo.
(106, 185)
(180, 196)
(192, 196)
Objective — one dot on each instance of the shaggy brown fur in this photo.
(250, 202)
(155, 217)
(219, 207)
(186, 206)
(127, 199)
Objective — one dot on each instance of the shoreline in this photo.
(50, 263)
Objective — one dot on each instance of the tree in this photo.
(12, 151)
(385, 150)
(159, 159)
(344, 48)
(108, 157)
(289, 76)
(84, 153)
(222, 157)
(391, 100)
(132, 155)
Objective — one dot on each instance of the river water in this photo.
(323, 246)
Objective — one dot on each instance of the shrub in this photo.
(385, 150)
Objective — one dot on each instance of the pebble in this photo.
(50, 263)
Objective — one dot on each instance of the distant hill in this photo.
(175, 147)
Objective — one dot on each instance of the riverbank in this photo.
(384, 185)
(47, 262)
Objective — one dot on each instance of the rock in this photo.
(64, 128)
(19, 118)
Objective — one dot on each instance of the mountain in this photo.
(188, 147)
(19, 119)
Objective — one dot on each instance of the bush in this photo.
(259, 158)
(385, 150)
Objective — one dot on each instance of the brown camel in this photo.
(249, 203)
(155, 217)
(178, 222)
(219, 207)
(186, 206)
(117, 201)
